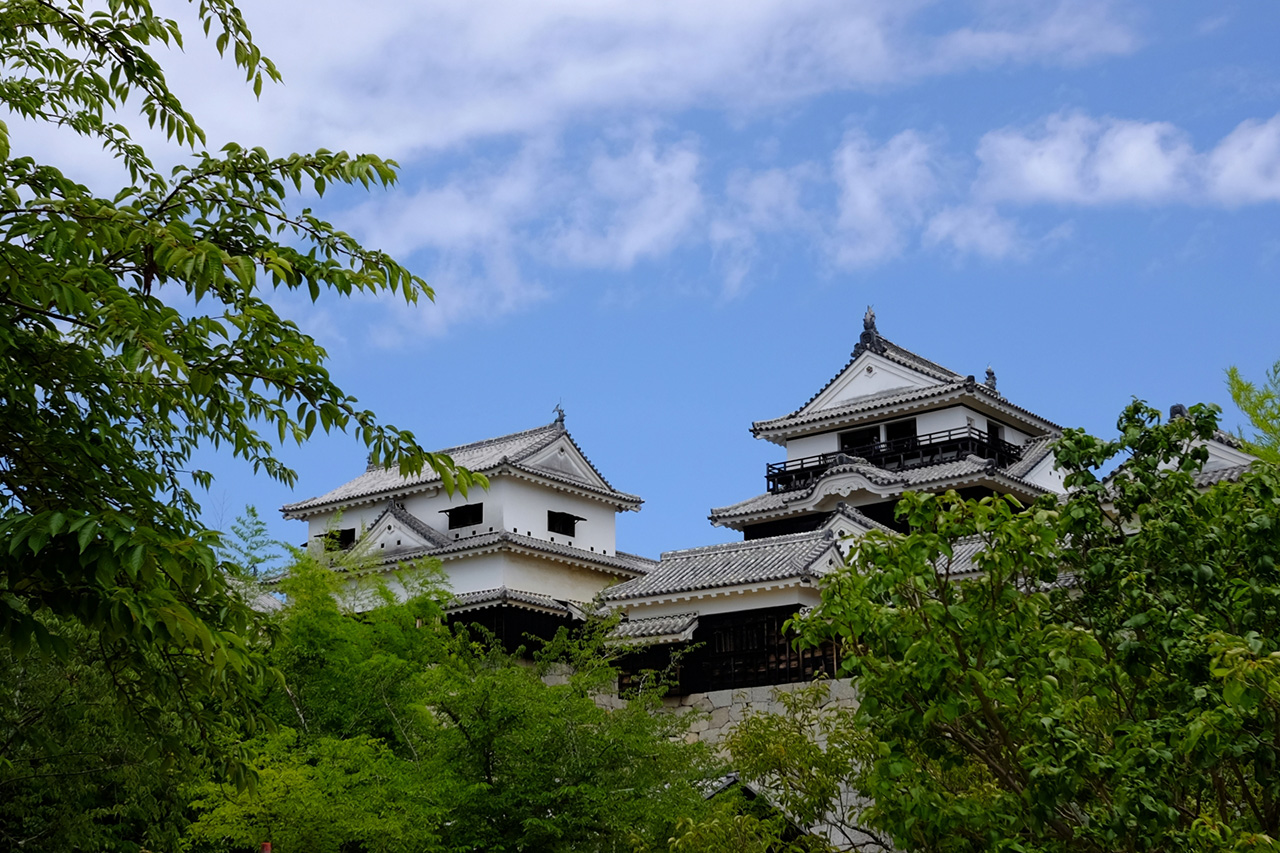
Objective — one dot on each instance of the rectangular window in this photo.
(562, 522)
(340, 540)
(465, 516)
(859, 438)
(899, 430)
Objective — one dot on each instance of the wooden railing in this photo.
(916, 451)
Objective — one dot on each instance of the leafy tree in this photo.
(250, 552)
(1262, 406)
(1109, 681)
(134, 328)
(733, 825)
(75, 772)
(808, 762)
(407, 735)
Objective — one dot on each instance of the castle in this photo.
(538, 550)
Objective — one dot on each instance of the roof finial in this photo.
(991, 378)
(870, 338)
(559, 410)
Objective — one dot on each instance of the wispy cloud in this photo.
(883, 192)
(974, 230)
(1245, 167)
(1076, 159)
(642, 202)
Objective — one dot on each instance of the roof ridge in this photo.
(487, 442)
(902, 353)
(747, 543)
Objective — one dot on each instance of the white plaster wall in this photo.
(525, 507)
(729, 601)
(952, 417)
(355, 517)
(1044, 476)
(429, 506)
(812, 445)
(547, 577)
(859, 382)
(476, 573)
(1224, 456)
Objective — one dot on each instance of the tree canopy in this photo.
(401, 734)
(1096, 673)
(1261, 405)
(135, 327)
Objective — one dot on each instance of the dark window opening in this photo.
(464, 516)
(859, 438)
(995, 430)
(563, 523)
(899, 430)
(781, 526)
(340, 540)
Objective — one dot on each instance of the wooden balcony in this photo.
(932, 448)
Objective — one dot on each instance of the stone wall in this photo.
(722, 709)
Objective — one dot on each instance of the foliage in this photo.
(1262, 406)
(483, 750)
(134, 328)
(808, 761)
(75, 772)
(733, 825)
(324, 796)
(250, 552)
(1107, 681)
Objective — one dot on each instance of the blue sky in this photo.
(669, 217)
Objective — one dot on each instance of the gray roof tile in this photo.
(623, 564)
(894, 397)
(732, 564)
(657, 628)
(1033, 453)
(887, 348)
(478, 456)
(1205, 479)
(411, 521)
(503, 595)
(898, 481)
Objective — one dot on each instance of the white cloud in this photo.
(641, 203)
(1245, 167)
(406, 78)
(1017, 31)
(883, 192)
(756, 205)
(1082, 160)
(973, 230)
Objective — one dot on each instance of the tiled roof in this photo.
(502, 595)
(1033, 453)
(479, 456)
(1223, 437)
(894, 481)
(1205, 479)
(893, 397)
(658, 629)
(411, 521)
(873, 341)
(732, 564)
(625, 564)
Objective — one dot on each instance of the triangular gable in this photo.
(563, 458)
(1224, 452)
(395, 529)
(867, 374)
